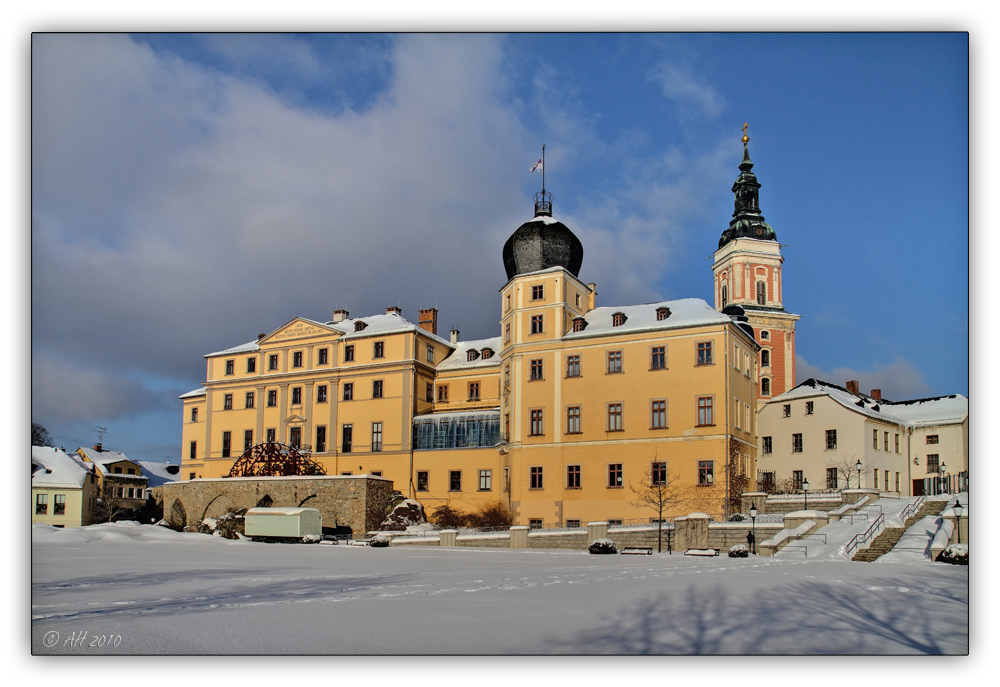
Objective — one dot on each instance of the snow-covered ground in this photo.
(150, 591)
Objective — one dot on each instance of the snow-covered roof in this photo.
(159, 473)
(248, 347)
(281, 511)
(926, 411)
(105, 459)
(56, 468)
(377, 325)
(194, 394)
(459, 359)
(932, 411)
(684, 312)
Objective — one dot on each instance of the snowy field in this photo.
(149, 590)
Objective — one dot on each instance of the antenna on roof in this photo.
(99, 446)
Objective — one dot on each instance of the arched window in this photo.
(761, 293)
(579, 324)
(473, 355)
(765, 358)
(725, 295)
(618, 319)
(487, 353)
(358, 326)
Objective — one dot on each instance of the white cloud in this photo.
(681, 86)
(898, 380)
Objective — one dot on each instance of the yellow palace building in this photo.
(561, 417)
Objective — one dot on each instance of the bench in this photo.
(701, 552)
(638, 550)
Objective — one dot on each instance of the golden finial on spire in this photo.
(745, 137)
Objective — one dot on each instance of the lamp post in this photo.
(858, 467)
(945, 487)
(957, 509)
(805, 494)
(753, 523)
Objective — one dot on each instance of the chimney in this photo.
(429, 320)
(340, 316)
(261, 336)
(877, 395)
(98, 447)
(454, 336)
(393, 310)
(853, 385)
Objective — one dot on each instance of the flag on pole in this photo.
(537, 165)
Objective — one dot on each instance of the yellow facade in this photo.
(566, 433)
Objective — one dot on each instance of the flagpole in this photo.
(543, 169)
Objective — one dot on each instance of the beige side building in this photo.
(819, 432)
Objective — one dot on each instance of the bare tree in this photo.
(112, 504)
(738, 478)
(40, 436)
(845, 466)
(656, 491)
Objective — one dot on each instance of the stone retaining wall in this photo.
(358, 502)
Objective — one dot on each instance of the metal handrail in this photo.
(869, 533)
(912, 508)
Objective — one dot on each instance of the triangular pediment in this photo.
(295, 420)
(301, 328)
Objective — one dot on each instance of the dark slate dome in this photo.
(747, 221)
(540, 244)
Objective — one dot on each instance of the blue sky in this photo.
(191, 191)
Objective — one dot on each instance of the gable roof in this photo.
(375, 325)
(53, 467)
(104, 460)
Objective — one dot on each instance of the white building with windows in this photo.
(820, 432)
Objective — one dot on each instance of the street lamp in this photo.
(805, 494)
(957, 509)
(753, 523)
(944, 480)
(858, 466)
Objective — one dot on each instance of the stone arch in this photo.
(264, 501)
(178, 516)
(204, 513)
(311, 496)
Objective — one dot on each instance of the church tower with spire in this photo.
(747, 270)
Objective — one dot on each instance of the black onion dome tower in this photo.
(542, 242)
(747, 221)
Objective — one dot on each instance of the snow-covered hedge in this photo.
(379, 541)
(229, 525)
(739, 551)
(406, 514)
(603, 546)
(956, 554)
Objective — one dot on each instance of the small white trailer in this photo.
(284, 524)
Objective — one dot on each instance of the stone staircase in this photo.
(884, 542)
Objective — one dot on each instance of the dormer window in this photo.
(618, 319)
(662, 313)
(359, 326)
(579, 324)
(473, 355)
(487, 353)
